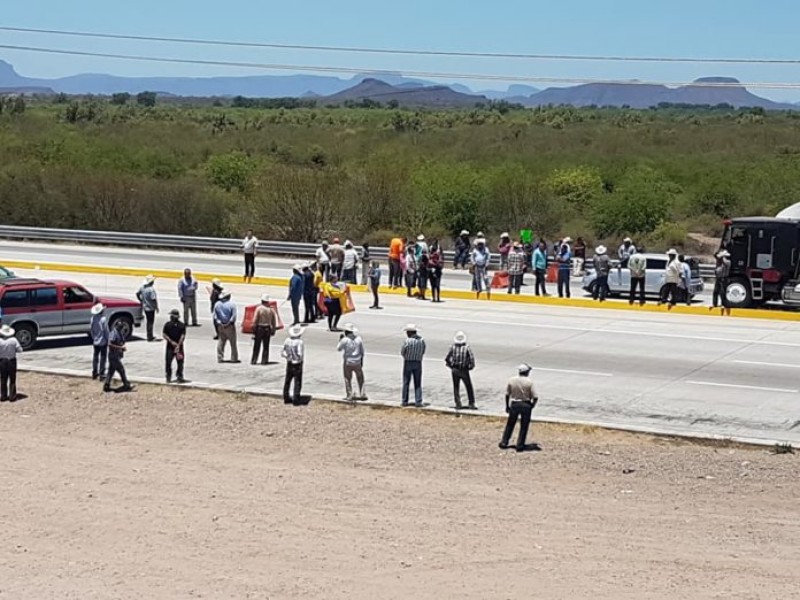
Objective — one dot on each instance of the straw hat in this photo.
(6, 331)
(98, 308)
(149, 279)
(295, 331)
(460, 338)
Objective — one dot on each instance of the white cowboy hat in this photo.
(350, 328)
(265, 297)
(480, 240)
(672, 251)
(627, 239)
(420, 237)
(224, 294)
(98, 308)
(348, 243)
(464, 232)
(216, 281)
(460, 338)
(410, 327)
(524, 368)
(297, 267)
(723, 254)
(480, 234)
(6, 331)
(295, 331)
(566, 240)
(504, 235)
(149, 279)
(600, 250)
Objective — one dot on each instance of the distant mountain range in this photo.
(404, 91)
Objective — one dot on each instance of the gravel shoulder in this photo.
(180, 493)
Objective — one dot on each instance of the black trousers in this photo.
(375, 298)
(436, 284)
(115, 366)
(349, 275)
(600, 287)
(395, 273)
(293, 373)
(336, 269)
(308, 305)
(563, 282)
(261, 338)
(521, 410)
(8, 378)
(541, 277)
(334, 313)
(670, 292)
(169, 356)
(295, 310)
(514, 283)
(99, 358)
(720, 285)
(150, 318)
(249, 265)
(460, 375)
(637, 282)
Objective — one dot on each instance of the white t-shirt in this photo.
(322, 256)
(249, 245)
(350, 258)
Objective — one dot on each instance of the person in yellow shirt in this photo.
(319, 276)
(335, 296)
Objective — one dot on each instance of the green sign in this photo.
(526, 235)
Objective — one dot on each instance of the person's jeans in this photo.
(637, 282)
(563, 283)
(521, 410)
(395, 273)
(479, 279)
(541, 277)
(227, 333)
(461, 258)
(349, 275)
(170, 355)
(8, 378)
(460, 375)
(115, 366)
(514, 282)
(375, 297)
(336, 269)
(308, 306)
(150, 318)
(190, 307)
(261, 338)
(295, 310)
(412, 369)
(720, 285)
(294, 372)
(600, 288)
(349, 371)
(99, 357)
(411, 282)
(249, 265)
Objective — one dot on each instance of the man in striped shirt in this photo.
(461, 361)
(516, 267)
(413, 351)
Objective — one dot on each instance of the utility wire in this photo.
(393, 72)
(360, 50)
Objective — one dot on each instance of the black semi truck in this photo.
(765, 255)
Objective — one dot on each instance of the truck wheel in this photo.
(738, 294)
(127, 325)
(26, 335)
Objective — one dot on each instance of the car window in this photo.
(15, 299)
(76, 295)
(44, 297)
(738, 235)
(656, 263)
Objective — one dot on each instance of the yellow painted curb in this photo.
(497, 296)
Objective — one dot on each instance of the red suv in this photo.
(36, 308)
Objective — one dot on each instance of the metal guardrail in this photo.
(207, 244)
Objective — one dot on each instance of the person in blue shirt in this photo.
(100, 333)
(540, 268)
(564, 259)
(297, 287)
(225, 319)
(686, 280)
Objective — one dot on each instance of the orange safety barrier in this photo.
(250, 311)
(552, 273)
(500, 280)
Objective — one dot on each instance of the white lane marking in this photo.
(742, 387)
(767, 364)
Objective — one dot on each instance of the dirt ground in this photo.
(178, 493)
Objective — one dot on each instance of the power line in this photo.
(394, 72)
(364, 50)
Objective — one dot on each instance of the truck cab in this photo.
(764, 261)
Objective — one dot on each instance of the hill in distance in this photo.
(407, 94)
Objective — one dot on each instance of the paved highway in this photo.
(666, 372)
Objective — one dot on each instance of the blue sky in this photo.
(701, 28)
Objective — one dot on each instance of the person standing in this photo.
(579, 252)
(334, 293)
(515, 267)
(294, 353)
(722, 272)
(686, 280)
(396, 251)
(423, 270)
(540, 268)
(225, 317)
(462, 246)
(9, 349)
(435, 271)
(625, 251)
(374, 278)
(265, 324)
(149, 299)
(336, 254)
(521, 399)
(296, 289)
(187, 294)
(602, 267)
(410, 270)
(116, 352)
(309, 295)
(564, 259)
(461, 361)
(349, 263)
(249, 248)
(421, 246)
(637, 265)
(99, 331)
(365, 260)
(319, 281)
(503, 249)
(480, 265)
(323, 260)
(672, 277)
(213, 295)
(412, 351)
(174, 335)
(352, 348)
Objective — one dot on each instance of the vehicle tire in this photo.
(127, 327)
(592, 287)
(738, 293)
(26, 335)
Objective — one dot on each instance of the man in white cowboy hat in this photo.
(187, 294)
(9, 349)
(672, 277)
(352, 348)
(225, 318)
(625, 251)
(99, 332)
(422, 246)
(637, 265)
(174, 335)
(722, 272)
(412, 351)
(265, 324)
(350, 263)
(149, 299)
(602, 267)
(461, 361)
(213, 295)
(116, 351)
(294, 353)
(462, 247)
(521, 399)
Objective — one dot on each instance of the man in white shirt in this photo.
(521, 399)
(350, 262)
(9, 349)
(352, 348)
(323, 260)
(250, 249)
(294, 353)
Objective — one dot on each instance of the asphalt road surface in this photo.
(671, 373)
